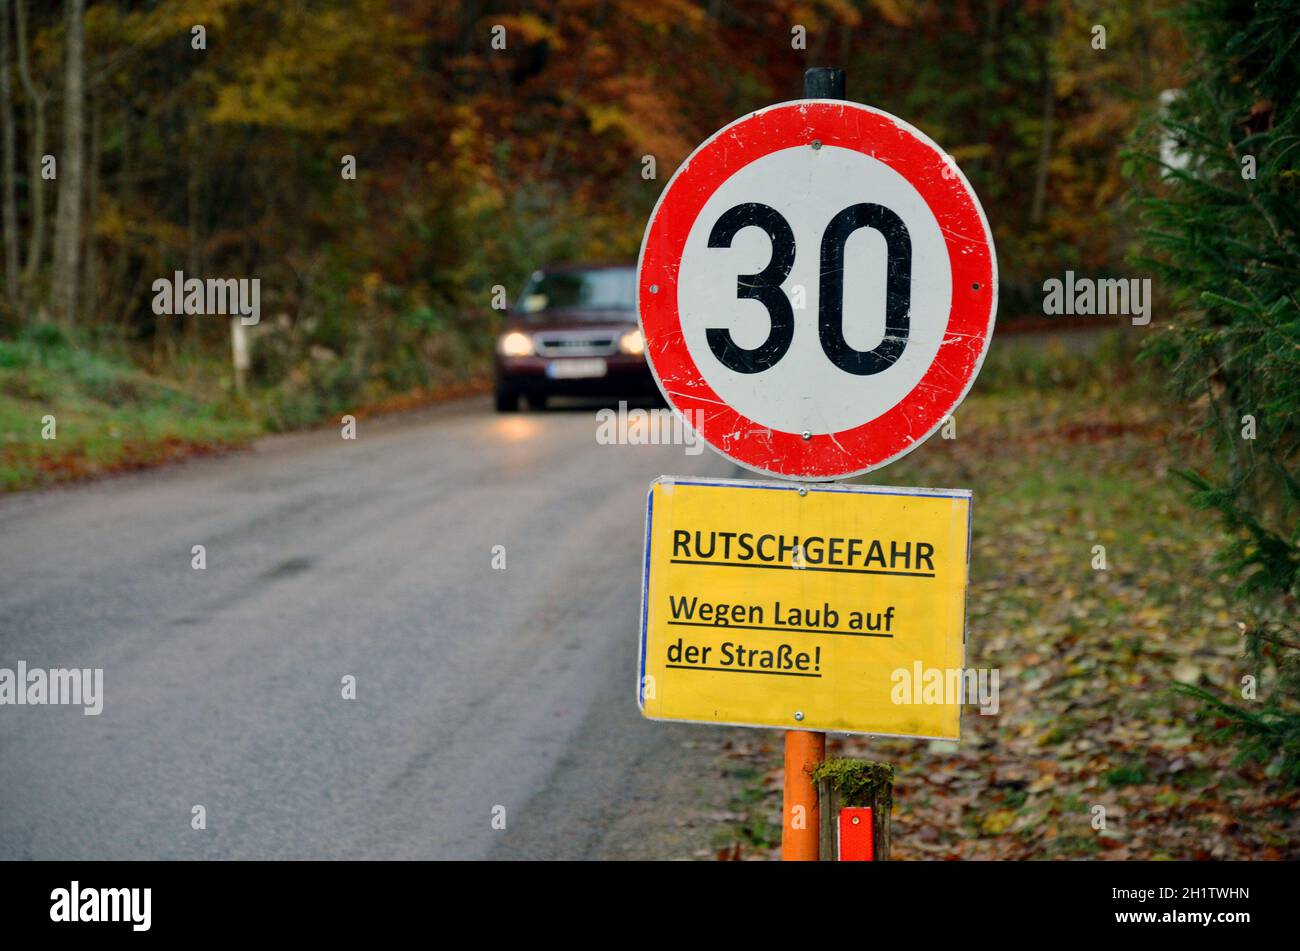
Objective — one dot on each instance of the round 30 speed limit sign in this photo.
(817, 287)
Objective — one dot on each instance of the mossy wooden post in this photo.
(853, 782)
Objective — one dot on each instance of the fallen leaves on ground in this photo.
(1087, 728)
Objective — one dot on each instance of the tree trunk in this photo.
(90, 286)
(7, 164)
(118, 291)
(194, 264)
(1045, 137)
(67, 234)
(36, 149)
(561, 129)
(988, 70)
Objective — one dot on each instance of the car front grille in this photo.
(575, 343)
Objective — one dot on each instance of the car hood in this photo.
(575, 320)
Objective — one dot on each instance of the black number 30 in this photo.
(765, 286)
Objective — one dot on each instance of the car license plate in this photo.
(574, 369)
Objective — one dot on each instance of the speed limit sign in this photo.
(817, 287)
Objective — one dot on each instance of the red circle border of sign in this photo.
(971, 314)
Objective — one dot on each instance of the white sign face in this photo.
(818, 282)
(803, 391)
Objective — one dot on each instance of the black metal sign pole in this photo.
(823, 82)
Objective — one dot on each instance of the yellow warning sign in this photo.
(821, 607)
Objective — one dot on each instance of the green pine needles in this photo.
(1219, 194)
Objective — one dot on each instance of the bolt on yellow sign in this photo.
(817, 607)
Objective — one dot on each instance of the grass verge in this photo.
(71, 412)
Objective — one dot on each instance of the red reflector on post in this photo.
(855, 835)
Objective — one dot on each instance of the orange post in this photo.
(800, 816)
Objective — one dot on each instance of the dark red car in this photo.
(573, 332)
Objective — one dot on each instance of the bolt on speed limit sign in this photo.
(817, 288)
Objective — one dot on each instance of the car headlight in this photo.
(632, 342)
(515, 344)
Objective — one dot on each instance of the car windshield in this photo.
(610, 288)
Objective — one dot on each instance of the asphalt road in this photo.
(475, 687)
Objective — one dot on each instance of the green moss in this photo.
(1133, 775)
(858, 781)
